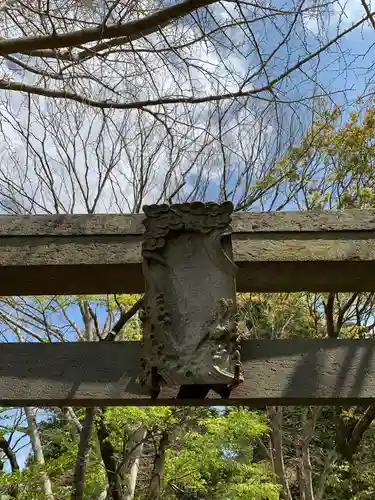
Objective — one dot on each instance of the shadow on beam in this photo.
(281, 372)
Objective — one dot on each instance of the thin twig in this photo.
(369, 14)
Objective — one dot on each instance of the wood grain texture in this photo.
(243, 222)
(285, 251)
(305, 221)
(71, 225)
(277, 372)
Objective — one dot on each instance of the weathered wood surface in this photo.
(243, 222)
(309, 372)
(285, 251)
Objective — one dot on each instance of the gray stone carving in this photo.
(189, 313)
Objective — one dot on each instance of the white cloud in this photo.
(337, 17)
(81, 149)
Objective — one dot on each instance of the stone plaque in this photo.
(189, 314)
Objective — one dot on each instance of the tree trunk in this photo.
(328, 462)
(11, 456)
(83, 452)
(75, 426)
(300, 473)
(131, 467)
(154, 489)
(308, 427)
(38, 450)
(276, 421)
(349, 432)
(9, 453)
(115, 489)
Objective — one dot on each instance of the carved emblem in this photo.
(189, 315)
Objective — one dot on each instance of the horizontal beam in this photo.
(276, 372)
(283, 251)
(243, 222)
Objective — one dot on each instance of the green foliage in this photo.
(55, 439)
(123, 422)
(335, 160)
(60, 454)
(217, 459)
(351, 482)
(111, 303)
(279, 315)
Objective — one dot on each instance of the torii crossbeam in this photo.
(274, 252)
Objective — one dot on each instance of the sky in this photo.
(59, 153)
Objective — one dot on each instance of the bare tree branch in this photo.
(30, 89)
(124, 318)
(330, 321)
(368, 12)
(9, 453)
(129, 30)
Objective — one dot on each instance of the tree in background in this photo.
(323, 452)
(173, 452)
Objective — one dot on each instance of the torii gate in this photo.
(189, 275)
